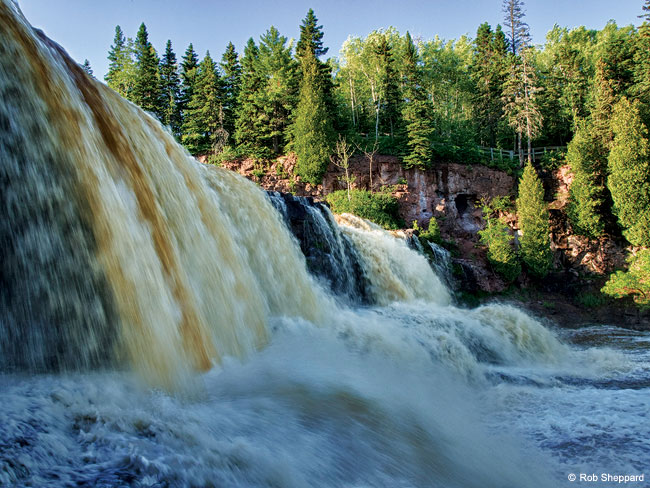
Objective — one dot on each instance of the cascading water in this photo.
(128, 265)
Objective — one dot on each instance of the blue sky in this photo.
(85, 28)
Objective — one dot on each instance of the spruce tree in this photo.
(278, 95)
(416, 111)
(121, 69)
(587, 192)
(311, 41)
(533, 218)
(629, 172)
(86, 67)
(642, 64)
(501, 253)
(170, 87)
(249, 114)
(203, 124)
(390, 121)
(231, 85)
(312, 130)
(146, 90)
(189, 70)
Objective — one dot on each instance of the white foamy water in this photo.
(159, 327)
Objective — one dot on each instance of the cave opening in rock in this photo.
(462, 202)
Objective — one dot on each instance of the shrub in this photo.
(501, 253)
(380, 208)
(634, 282)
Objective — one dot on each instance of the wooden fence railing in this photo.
(536, 152)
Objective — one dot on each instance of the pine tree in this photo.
(146, 90)
(189, 70)
(86, 67)
(629, 172)
(520, 89)
(121, 70)
(533, 217)
(277, 97)
(311, 41)
(312, 130)
(203, 124)
(416, 111)
(231, 85)
(488, 74)
(587, 192)
(389, 87)
(249, 114)
(642, 64)
(170, 87)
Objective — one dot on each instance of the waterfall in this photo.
(118, 246)
(195, 331)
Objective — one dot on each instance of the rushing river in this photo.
(160, 326)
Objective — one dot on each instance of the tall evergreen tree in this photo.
(189, 70)
(231, 85)
(642, 64)
(489, 67)
(146, 90)
(203, 124)
(311, 41)
(312, 130)
(521, 108)
(533, 220)
(170, 87)
(121, 69)
(389, 88)
(416, 111)
(629, 172)
(277, 98)
(249, 114)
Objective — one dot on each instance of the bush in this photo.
(501, 253)
(380, 208)
(432, 234)
(634, 282)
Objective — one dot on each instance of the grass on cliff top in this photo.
(380, 208)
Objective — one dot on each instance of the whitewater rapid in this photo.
(160, 326)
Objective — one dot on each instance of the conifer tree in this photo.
(311, 41)
(189, 70)
(249, 114)
(170, 87)
(86, 67)
(587, 190)
(501, 253)
(629, 172)
(121, 70)
(231, 84)
(389, 87)
(642, 64)
(416, 111)
(312, 130)
(278, 94)
(146, 90)
(520, 89)
(533, 217)
(203, 124)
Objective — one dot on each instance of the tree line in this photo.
(424, 100)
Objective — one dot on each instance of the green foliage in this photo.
(203, 125)
(146, 89)
(380, 208)
(590, 300)
(415, 112)
(86, 67)
(629, 173)
(586, 194)
(170, 87)
(535, 251)
(432, 234)
(312, 131)
(231, 82)
(500, 243)
(121, 70)
(634, 282)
